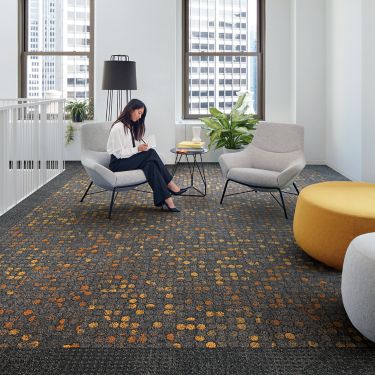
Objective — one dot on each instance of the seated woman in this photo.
(128, 151)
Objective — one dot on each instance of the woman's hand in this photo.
(143, 147)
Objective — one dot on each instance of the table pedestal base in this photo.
(195, 164)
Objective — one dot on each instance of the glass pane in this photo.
(58, 25)
(216, 81)
(223, 25)
(57, 77)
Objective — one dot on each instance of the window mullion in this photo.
(223, 53)
(67, 53)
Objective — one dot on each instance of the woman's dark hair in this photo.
(138, 128)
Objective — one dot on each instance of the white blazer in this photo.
(120, 144)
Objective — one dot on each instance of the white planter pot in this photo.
(231, 150)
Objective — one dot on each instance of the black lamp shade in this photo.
(119, 75)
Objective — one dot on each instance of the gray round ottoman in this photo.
(358, 284)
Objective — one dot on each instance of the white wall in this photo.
(9, 47)
(146, 31)
(344, 90)
(368, 90)
(310, 75)
(279, 60)
(295, 69)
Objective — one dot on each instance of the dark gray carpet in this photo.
(188, 361)
(148, 292)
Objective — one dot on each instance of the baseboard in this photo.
(338, 170)
(170, 159)
(316, 162)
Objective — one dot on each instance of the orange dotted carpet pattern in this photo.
(212, 276)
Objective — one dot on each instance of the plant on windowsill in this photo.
(231, 131)
(77, 110)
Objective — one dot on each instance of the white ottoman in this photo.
(358, 284)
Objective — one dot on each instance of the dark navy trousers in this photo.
(156, 172)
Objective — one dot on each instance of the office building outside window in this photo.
(223, 54)
(57, 52)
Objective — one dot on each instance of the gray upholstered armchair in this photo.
(95, 160)
(270, 163)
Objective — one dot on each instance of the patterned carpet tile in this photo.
(211, 276)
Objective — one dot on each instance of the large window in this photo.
(57, 49)
(223, 54)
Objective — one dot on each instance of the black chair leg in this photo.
(225, 188)
(87, 190)
(282, 201)
(112, 202)
(295, 186)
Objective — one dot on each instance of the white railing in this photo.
(31, 147)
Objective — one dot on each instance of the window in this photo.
(222, 56)
(57, 49)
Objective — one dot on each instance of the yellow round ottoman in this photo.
(329, 215)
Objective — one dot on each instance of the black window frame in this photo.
(259, 54)
(25, 53)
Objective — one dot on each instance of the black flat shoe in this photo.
(180, 192)
(171, 209)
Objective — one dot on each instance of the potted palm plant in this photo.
(234, 130)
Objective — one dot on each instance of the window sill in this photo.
(188, 122)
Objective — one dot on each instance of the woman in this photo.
(128, 151)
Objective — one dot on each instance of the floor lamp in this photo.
(118, 75)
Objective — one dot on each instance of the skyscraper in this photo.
(220, 32)
(58, 26)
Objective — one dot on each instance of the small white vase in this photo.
(196, 134)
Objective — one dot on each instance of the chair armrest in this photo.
(100, 175)
(289, 174)
(239, 159)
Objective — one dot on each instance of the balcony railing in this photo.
(31, 147)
